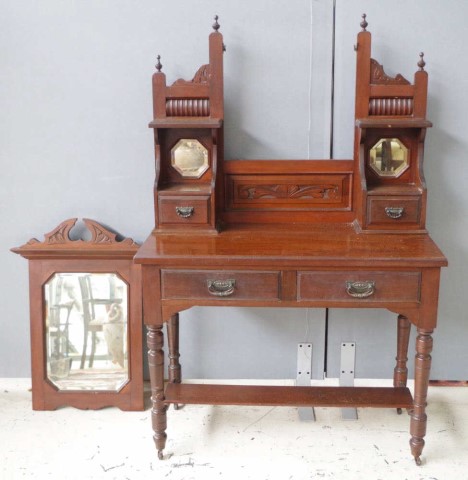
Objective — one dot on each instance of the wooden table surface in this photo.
(292, 245)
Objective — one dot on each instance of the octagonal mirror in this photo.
(86, 331)
(389, 157)
(190, 158)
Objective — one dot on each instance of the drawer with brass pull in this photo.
(183, 210)
(368, 286)
(395, 210)
(222, 285)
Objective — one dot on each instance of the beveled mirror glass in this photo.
(190, 158)
(86, 331)
(389, 157)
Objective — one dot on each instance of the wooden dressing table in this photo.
(311, 233)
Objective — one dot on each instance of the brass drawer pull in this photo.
(360, 289)
(185, 212)
(221, 288)
(394, 212)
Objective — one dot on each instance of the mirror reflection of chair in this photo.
(93, 321)
(59, 324)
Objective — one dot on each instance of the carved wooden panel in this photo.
(379, 77)
(202, 75)
(290, 192)
(102, 243)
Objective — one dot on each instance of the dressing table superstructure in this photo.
(284, 233)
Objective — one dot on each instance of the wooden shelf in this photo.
(397, 189)
(186, 122)
(382, 397)
(404, 122)
(185, 189)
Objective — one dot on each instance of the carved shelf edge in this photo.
(186, 122)
(58, 243)
(393, 123)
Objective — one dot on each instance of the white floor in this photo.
(206, 442)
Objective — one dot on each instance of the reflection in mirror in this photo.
(389, 157)
(190, 158)
(86, 331)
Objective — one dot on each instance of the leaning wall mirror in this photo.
(85, 319)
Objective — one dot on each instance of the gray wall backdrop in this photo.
(75, 99)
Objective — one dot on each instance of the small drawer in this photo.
(184, 210)
(383, 210)
(368, 286)
(225, 285)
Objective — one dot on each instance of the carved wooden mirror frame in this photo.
(59, 255)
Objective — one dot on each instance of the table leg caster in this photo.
(418, 461)
(160, 455)
(399, 411)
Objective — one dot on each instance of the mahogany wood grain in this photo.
(168, 207)
(421, 382)
(393, 123)
(288, 191)
(400, 373)
(155, 341)
(377, 215)
(186, 122)
(175, 369)
(291, 246)
(194, 284)
(389, 286)
(380, 397)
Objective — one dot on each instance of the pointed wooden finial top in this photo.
(159, 65)
(364, 22)
(216, 24)
(421, 62)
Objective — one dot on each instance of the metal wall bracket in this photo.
(347, 369)
(304, 374)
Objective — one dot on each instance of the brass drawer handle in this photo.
(185, 212)
(360, 289)
(221, 288)
(394, 212)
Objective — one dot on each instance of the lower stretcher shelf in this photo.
(205, 394)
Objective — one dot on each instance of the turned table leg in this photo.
(400, 373)
(421, 382)
(155, 341)
(175, 370)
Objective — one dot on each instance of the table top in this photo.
(293, 245)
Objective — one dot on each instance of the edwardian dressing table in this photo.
(323, 233)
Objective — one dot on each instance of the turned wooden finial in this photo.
(364, 22)
(159, 65)
(216, 24)
(421, 62)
